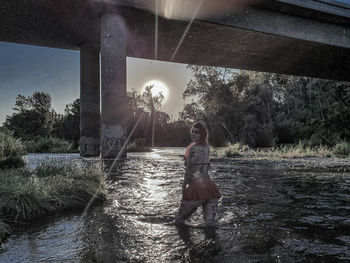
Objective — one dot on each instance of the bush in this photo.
(138, 146)
(140, 142)
(49, 145)
(264, 138)
(11, 150)
(12, 162)
(235, 150)
(303, 149)
(342, 148)
(51, 187)
(314, 141)
(4, 230)
(232, 153)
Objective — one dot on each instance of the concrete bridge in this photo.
(298, 37)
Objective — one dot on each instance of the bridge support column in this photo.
(113, 92)
(89, 100)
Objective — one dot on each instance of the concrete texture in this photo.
(89, 100)
(306, 38)
(113, 90)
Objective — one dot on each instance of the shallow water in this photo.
(265, 215)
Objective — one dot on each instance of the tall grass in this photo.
(4, 230)
(49, 188)
(342, 148)
(236, 150)
(49, 145)
(11, 150)
(304, 148)
(138, 145)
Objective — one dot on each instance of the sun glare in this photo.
(158, 87)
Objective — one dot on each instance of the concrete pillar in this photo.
(89, 100)
(113, 92)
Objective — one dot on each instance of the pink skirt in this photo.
(202, 188)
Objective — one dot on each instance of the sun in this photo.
(158, 87)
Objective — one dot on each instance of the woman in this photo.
(198, 189)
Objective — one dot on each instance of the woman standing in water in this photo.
(198, 189)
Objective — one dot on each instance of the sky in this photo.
(25, 69)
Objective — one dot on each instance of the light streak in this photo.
(186, 31)
(156, 33)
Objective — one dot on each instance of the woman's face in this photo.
(195, 135)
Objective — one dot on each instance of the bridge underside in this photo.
(267, 37)
(70, 24)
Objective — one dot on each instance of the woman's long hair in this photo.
(203, 140)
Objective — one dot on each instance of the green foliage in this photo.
(342, 148)
(265, 109)
(53, 186)
(135, 147)
(11, 150)
(167, 133)
(49, 145)
(10, 146)
(71, 123)
(34, 117)
(233, 151)
(12, 162)
(138, 145)
(300, 150)
(4, 230)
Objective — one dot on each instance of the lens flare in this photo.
(158, 87)
(184, 9)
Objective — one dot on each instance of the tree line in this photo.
(266, 109)
(258, 109)
(34, 118)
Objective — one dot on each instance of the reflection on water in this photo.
(265, 215)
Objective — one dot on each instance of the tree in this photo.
(71, 122)
(262, 109)
(32, 116)
(212, 101)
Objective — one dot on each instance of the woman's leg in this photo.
(187, 208)
(209, 211)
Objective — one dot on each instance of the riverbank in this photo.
(333, 164)
(51, 187)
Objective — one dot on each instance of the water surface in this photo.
(265, 215)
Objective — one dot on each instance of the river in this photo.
(266, 214)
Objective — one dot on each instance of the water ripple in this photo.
(266, 214)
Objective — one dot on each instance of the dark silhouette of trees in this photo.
(264, 109)
(167, 133)
(71, 122)
(259, 109)
(33, 116)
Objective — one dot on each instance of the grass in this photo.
(234, 150)
(11, 150)
(300, 150)
(11, 162)
(342, 148)
(138, 146)
(49, 145)
(50, 188)
(4, 230)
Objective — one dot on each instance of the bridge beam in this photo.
(113, 92)
(89, 100)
